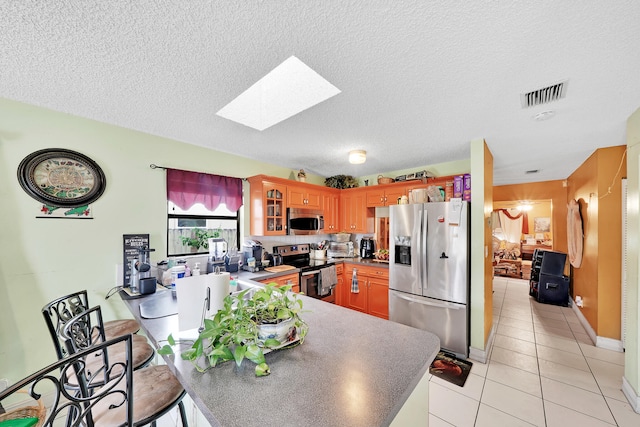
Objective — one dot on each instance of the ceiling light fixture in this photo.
(357, 157)
(525, 206)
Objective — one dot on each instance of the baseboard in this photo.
(609, 344)
(482, 356)
(630, 394)
(601, 342)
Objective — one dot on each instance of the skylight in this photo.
(287, 90)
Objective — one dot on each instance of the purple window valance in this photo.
(185, 188)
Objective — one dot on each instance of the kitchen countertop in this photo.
(352, 370)
(366, 261)
(261, 275)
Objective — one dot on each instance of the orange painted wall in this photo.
(596, 185)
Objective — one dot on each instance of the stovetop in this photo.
(299, 256)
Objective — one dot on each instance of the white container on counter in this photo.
(318, 254)
(177, 272)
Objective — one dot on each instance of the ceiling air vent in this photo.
(545, 95)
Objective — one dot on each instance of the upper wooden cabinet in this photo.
(268, 207)
(304, 197)
(331, 209)
(350, 210)
(385, 196)
(355, 217)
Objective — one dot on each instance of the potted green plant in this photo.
(341, 181)
(251, 322)
(200, 238)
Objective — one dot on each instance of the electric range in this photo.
(299, 256)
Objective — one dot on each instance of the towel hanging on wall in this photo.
(574, 233)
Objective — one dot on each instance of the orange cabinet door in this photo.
(386, 197)
(378, 290)
(268, 208)
(375, 198)
(301, 197)
(354, 212)
(356, 301)
(331, 209)
(392, 195)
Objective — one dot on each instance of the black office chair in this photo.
(107, 403)
(58, 312)
(155, 389)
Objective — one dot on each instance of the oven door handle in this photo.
(310, 273)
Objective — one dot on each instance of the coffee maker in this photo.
(252, 249)
(367, 247)
(140, 280)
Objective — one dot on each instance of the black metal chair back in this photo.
(58, 312)
(83, 330)
(80, 407)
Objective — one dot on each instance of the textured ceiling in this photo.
(419, 79)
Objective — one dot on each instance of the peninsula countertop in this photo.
(352, 370)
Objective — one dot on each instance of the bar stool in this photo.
(85, 408)
(58, 312)
(155, 389)
(65, 307)
(86, 330)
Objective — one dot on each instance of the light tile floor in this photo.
(543, 370)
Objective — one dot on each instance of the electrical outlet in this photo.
(4, 383)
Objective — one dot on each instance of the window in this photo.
(201, 206)
(188, 230)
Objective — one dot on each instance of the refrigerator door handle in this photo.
(442, 304)
(422, 244)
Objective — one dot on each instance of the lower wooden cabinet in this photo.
(373, 284)
(287, 279)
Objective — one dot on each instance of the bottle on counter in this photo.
(196, 269)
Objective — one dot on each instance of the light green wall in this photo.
(632, 341)
(41, 259)
(477, 247)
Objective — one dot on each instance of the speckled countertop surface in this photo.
(352, 370)
(245, 275)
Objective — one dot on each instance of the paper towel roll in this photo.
(191, 293)
(219, 284)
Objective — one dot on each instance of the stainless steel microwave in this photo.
(304, 221)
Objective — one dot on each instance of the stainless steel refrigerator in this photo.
(429, 270)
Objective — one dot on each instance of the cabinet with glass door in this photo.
(268, 208)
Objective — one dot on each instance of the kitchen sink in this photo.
(244, 285)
